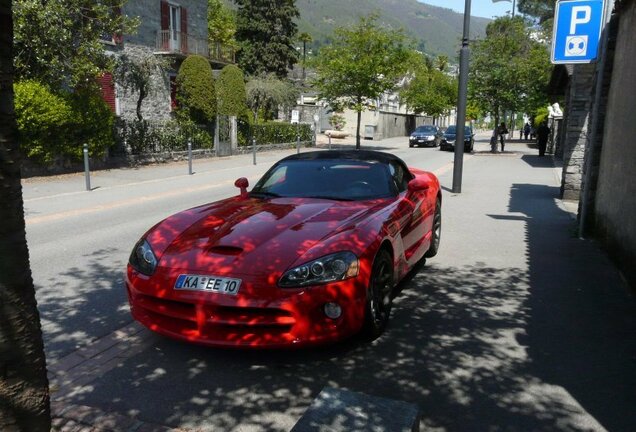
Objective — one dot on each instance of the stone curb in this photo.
(79, 418)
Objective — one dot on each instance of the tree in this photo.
(24, 393)
(510, 70)
(230, 89)
(543, 10)
(441, 63)
(430, 91)
(59, 42)
(305, 38)
(363, 61)
(266, 32)
(221, 24)
(135, 74)
(196, 96)
(269, 94)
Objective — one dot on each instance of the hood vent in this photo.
(225, 250)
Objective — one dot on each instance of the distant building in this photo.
(169, 29)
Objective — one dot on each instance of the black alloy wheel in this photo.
(436, 230)
(379, 296)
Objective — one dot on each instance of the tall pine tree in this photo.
(266, 32)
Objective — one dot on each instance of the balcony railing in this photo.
(172, 42)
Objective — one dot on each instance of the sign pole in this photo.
(458, 164)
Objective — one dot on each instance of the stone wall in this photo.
(578, 110)
(156, 106)
(615, 203)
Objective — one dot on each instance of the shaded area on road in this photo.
(82, 303)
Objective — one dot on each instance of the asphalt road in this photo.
(79, 242)
(485, 336)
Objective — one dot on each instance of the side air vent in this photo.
(225, 250)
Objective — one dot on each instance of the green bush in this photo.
(56, 125)
(196, 97)
(337, 121)
(274, 133)
(93, 120)
(230, 89)
(43, 118)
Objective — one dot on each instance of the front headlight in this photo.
(143, 259)
(330, 268)
(430, 138)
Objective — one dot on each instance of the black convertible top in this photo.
(358, 155)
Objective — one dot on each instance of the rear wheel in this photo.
(379, 296)
(436, 230)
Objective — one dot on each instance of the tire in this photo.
(411, 145)
(379, 296)
(436, 231)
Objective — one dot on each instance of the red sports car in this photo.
(311, 255)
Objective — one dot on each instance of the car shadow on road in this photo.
(476, 347)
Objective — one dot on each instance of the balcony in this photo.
(171, 42)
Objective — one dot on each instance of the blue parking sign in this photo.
(577, 31)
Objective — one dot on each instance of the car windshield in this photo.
(451, 130)
(342, 180)
(425, 129)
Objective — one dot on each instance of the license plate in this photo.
(214, 284)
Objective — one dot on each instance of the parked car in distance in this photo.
(426, 135)
(449, 137)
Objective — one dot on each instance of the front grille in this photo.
(214, 320)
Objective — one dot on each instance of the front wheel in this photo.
(379, 296)
(436, 231)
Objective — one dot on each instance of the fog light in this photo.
(333, 310)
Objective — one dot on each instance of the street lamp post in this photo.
(464, 53)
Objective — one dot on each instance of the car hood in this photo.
(254, 236)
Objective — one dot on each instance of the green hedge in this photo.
(145, 137)
(56, 125)
(273, 133)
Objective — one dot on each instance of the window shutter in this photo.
(184, 30)
(165, 15)
(165, 24)
(108, 89)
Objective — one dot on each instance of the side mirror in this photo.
(418, 184)
(242, 184)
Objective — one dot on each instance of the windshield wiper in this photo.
(329, 198)
(264, 194)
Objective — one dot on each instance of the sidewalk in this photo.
(516, 325)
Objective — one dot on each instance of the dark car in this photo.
(448, 140)
(425, 136)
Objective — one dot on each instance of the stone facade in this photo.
(615, 199)
(150, 13)
(147, 41)
(578, 109)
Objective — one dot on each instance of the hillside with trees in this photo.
(436, 30)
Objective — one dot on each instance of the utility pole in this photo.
(464, 54)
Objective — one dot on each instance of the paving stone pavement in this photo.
(73, 373)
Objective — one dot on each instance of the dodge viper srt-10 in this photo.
(310, 255)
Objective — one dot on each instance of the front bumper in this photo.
(291, 318)
(422, 141)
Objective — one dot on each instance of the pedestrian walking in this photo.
(543, 132)
(502, 130)
(526, 130)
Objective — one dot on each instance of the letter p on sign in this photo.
(580, 15)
